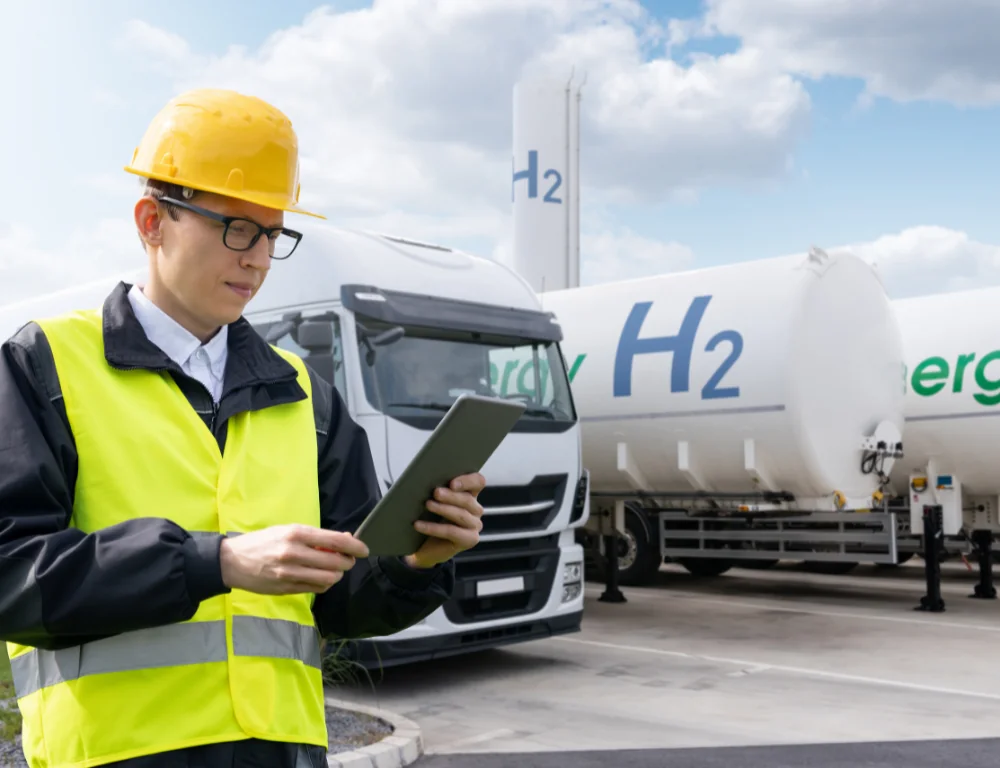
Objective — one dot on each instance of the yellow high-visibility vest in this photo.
(245, 665)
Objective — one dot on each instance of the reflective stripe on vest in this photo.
(201, 642)
(243, 665)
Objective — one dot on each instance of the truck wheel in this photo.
(639, 554)
(705, 567)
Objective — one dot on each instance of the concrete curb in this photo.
(404, 747)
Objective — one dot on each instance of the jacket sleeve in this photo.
(59, 586)
(379, 596)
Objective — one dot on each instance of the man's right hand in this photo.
(288, 559)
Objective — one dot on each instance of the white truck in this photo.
(739, 413)
(401, 328)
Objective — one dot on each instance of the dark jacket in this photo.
(61, 587)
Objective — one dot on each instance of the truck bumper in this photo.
(378, 654)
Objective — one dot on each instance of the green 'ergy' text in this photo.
(933, 374)
(518, 375)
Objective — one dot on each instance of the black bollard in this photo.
(933, 537)
(612, 594)
(984, 544)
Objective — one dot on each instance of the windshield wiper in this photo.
(539, 412)
(427, 406)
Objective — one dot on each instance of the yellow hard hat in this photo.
(224, 142)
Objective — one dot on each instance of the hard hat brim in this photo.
(276, 202)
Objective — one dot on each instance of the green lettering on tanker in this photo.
(933, 374)
(519, 376)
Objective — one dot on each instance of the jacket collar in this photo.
(250, 360)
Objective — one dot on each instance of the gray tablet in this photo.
(461, 444)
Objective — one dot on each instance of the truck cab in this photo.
(401, 329)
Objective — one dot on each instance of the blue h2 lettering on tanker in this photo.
(530, 174)
(681, 347)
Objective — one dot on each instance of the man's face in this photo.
(194, 271)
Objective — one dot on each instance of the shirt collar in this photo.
(176, 341)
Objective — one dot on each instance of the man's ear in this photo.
(147, 221)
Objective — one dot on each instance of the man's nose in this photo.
(259, 256)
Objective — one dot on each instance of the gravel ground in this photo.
(351, 730)
(11, 755)
(347, 730)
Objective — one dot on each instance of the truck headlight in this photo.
(572, 581)
(572, 573)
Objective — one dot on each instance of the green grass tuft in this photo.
(337, 668)
(10, 716)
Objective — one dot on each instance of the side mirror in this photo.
(278, 331)
(389, 336)
(386, 337)
(315, 336)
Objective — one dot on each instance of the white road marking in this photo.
(761, 667)
(695, 597)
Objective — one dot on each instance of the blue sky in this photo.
(859, 172)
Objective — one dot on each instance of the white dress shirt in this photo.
(204, 362)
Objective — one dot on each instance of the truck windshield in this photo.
(411, 375)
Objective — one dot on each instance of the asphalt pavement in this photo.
(972, 753)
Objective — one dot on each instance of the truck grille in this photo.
(535, 560)
(522, 508)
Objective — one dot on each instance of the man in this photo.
(176, 495)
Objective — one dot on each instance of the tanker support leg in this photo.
(933, 539)
(612, 594)
(612, 523)
(984, 544)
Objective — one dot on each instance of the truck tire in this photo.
(638, 551)
(640, 560)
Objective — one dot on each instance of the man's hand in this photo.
(460, 508)
(288, 559)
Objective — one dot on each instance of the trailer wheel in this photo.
(639, 555)
(705, 567)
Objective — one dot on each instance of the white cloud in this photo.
(404, 116)
(407, 104)
(165, 50)
(609, 256)
(902, 49)
(27, 267)
(929, 259)
(609, 253)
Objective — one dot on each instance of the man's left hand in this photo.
(463, 520)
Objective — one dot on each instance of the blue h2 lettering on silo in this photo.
(681, 347)
(530, 174)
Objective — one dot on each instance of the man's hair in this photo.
(159, 189)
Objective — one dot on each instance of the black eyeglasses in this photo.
(242, 234)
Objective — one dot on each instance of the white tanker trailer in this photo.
(755, 408)
(951, 344)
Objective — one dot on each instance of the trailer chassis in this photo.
(710, 533)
